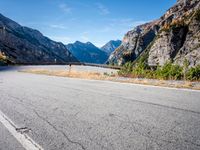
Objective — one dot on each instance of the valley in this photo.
(88, 75)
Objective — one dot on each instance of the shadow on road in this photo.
(7, 68)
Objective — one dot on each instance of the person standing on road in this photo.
(70, 67)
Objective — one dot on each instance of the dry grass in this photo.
(115, 78)
(69, 73)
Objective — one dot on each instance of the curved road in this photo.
(73, 114)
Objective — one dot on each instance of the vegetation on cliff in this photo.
(3, 59)
(173, 37)
(168, 71)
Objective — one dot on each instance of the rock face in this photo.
(111, 46)
(191, 47)
(174, 37)
(87, 52)
(167, 45)
(25, 45)
(133, 44)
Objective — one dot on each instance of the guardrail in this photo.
(103, 66)
(74, 63)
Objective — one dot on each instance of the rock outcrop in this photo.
(23, 45)
(174, 37)
(134, 43)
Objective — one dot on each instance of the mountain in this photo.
(174, 37)
(25, 45)
(111, 46)
(87, 52)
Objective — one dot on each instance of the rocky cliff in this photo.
(25, 45)
(174, 37)
(87, 52)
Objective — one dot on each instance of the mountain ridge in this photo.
(23, 45)
(87, 52)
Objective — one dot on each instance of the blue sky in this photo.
(97, 21)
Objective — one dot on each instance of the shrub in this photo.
(126, 69)
(169, 71)
(176, 72)
(193, 73)
(141, 67)
(139, 70)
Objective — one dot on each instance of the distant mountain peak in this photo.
(77, 42)
(89, 43)
(82, 43)
(111, 46)
(87, 52)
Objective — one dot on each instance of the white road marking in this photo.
(22, 138)
(130, 84)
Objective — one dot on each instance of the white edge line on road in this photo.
(22, 138)
(155, 86)
(133, 84)
(130, 84)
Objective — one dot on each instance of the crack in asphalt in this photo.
(128, 99)
(155, 139)
(190, 142)
(146, 135)
(149, 130)
(22, 140)
(66, 136)
(112, 115)
(23, 130)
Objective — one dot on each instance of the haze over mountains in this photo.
(89, 53)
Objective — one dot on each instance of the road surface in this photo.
(57, 113)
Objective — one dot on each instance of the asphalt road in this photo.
(73, 114)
